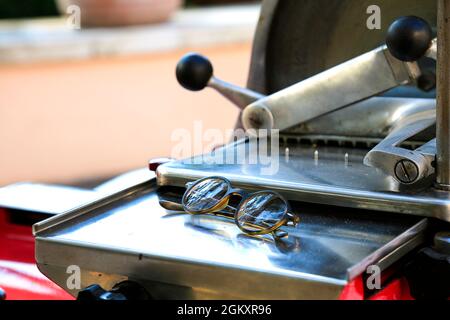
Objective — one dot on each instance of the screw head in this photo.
(406, 171)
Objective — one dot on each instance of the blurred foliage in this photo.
(10, 9)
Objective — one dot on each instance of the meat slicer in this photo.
(358, 124)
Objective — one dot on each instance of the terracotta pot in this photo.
(215, 2)
(99, 13)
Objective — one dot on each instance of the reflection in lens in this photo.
(261, 212)
(205, 195)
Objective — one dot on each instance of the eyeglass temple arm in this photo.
(174, 206)
(293, 218)
(170, 205)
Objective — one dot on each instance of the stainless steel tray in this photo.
(330, 179)
(129, 236)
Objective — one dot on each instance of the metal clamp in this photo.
(407, 166)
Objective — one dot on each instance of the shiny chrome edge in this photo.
(49, 224)
(385, 256)
(424, 204)
(413, 244)
(163, 268)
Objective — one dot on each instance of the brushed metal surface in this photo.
(281, 59)
(128, 235)
(338, 177)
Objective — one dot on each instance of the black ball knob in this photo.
(194, 72)
(126, 290)
(97, 293)
(409, 38)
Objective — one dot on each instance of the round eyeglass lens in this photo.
(205, 195)
(262, 211)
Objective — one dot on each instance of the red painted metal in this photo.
(19, 275)
(354, 290)
(397, 289)
(153, 164)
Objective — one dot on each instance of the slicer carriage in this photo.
(360, 143)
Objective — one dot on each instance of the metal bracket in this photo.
(407, 166)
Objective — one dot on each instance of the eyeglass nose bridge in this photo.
(238, 192)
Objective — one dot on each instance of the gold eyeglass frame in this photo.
(288, 217)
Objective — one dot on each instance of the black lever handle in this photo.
(409, 38)
(195, 72)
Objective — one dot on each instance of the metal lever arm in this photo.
(358, 79)
(195, 72)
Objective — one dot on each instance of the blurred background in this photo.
(81, 104)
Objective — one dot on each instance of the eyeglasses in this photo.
(258, 213)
